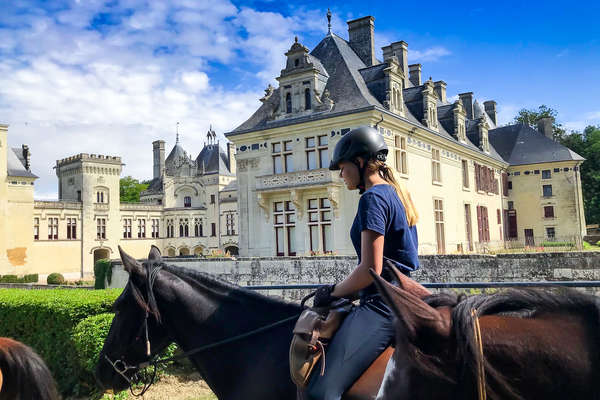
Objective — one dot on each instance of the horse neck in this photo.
(206, 311)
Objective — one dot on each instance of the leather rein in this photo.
(121, 367)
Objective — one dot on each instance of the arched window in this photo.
(307, 99)
(288, 103)
(187, 201)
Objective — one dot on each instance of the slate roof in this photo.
(155, 186)
(16, 164)
(175, 153)
(212, 160)
(521, 144)
(231, 187)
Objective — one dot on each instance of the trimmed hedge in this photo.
(31, 278)
(557, 244)
(55, 279)
(102, 271)
(46, 320)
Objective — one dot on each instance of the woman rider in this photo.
(383, 229)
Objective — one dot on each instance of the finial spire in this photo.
(177, 133)
(328, 21)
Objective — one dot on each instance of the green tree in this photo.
(130, 189)
(587, 145)
(531, 118)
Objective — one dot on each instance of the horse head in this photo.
(423, 365)
(136, 333)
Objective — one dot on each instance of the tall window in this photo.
(438, 209)
(229, 220)
(36, 229)
(155, 228)
(319, 225)
(71, 228)
(282, 157)
(52, 228)
(101, 228)
(401, 155)
(170, 228)
(127, 228)
(547, 190)
(550, 233)
(213, 229)
(197, 227)
(436, 168)
(307, 104)
(284, 222)
(465, 173)
(548, 211)
(187, 201)
(141, 228)
(212, 199)
(288, 103)
(546, 174)
(317, 153)
(101, 197)
(184, 228)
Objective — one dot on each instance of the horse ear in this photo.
(413, 312)
(130, 264)
(409, 284)
(154, 254)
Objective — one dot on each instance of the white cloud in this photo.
(97, 77)
(431, 54)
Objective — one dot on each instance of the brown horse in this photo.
(515, 344)
(196, 310)
(23, 373)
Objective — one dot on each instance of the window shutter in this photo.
(504, 184)
(479, 227)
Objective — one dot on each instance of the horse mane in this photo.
(524, 303)
(25, 375)
(197, 279)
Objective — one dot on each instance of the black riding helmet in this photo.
(365, 142)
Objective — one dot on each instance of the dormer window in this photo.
(288, 103)
(307, 104)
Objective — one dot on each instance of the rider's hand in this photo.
(323, 296)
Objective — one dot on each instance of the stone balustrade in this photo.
(295, 179)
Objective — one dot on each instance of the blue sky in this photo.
(110, 77)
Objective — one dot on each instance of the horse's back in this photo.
(367, 386)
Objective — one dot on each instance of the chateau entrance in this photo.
(99, 254)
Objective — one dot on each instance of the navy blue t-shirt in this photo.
(380, 210)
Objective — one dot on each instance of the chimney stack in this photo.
(158, 147)
(490, 109)
(467, 101)
(361, 33)
(440, 90)
(414, 71)
(400, 50)
(26, 157)
(544, 126)
(231, 158)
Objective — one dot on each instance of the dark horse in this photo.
(194, 309)
(23, 373)
(515, 344)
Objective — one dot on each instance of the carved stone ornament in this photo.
(262, 201)
(333, 194)
(268, 92)
(295, 199)
(100, 179)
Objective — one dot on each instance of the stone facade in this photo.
(88, 222)
(451, 156)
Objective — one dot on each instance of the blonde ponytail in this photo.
(412, 216)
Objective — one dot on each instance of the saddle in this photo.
(313, 331)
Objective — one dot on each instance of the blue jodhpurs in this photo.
(365, 333)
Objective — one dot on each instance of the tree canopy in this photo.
(531, 118)
(130, 189)
(587, 145)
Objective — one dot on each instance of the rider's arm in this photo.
(371, 250)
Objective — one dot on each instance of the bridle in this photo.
(121, 367)
(479, 344)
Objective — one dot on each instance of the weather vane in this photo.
(328, 21)
(177, 133)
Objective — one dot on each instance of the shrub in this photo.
(31, 278)
(102, 272)
(88, 336)
(9, 279)
(557, 244)
(55, 279)
(45, 320)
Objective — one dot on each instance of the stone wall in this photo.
(439, 268)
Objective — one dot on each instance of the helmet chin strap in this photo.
(361, 173)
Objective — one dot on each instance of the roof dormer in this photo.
(460, 125)
(430, 118)
(301, 83)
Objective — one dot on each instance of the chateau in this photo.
(189, 208)
(477, 186)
